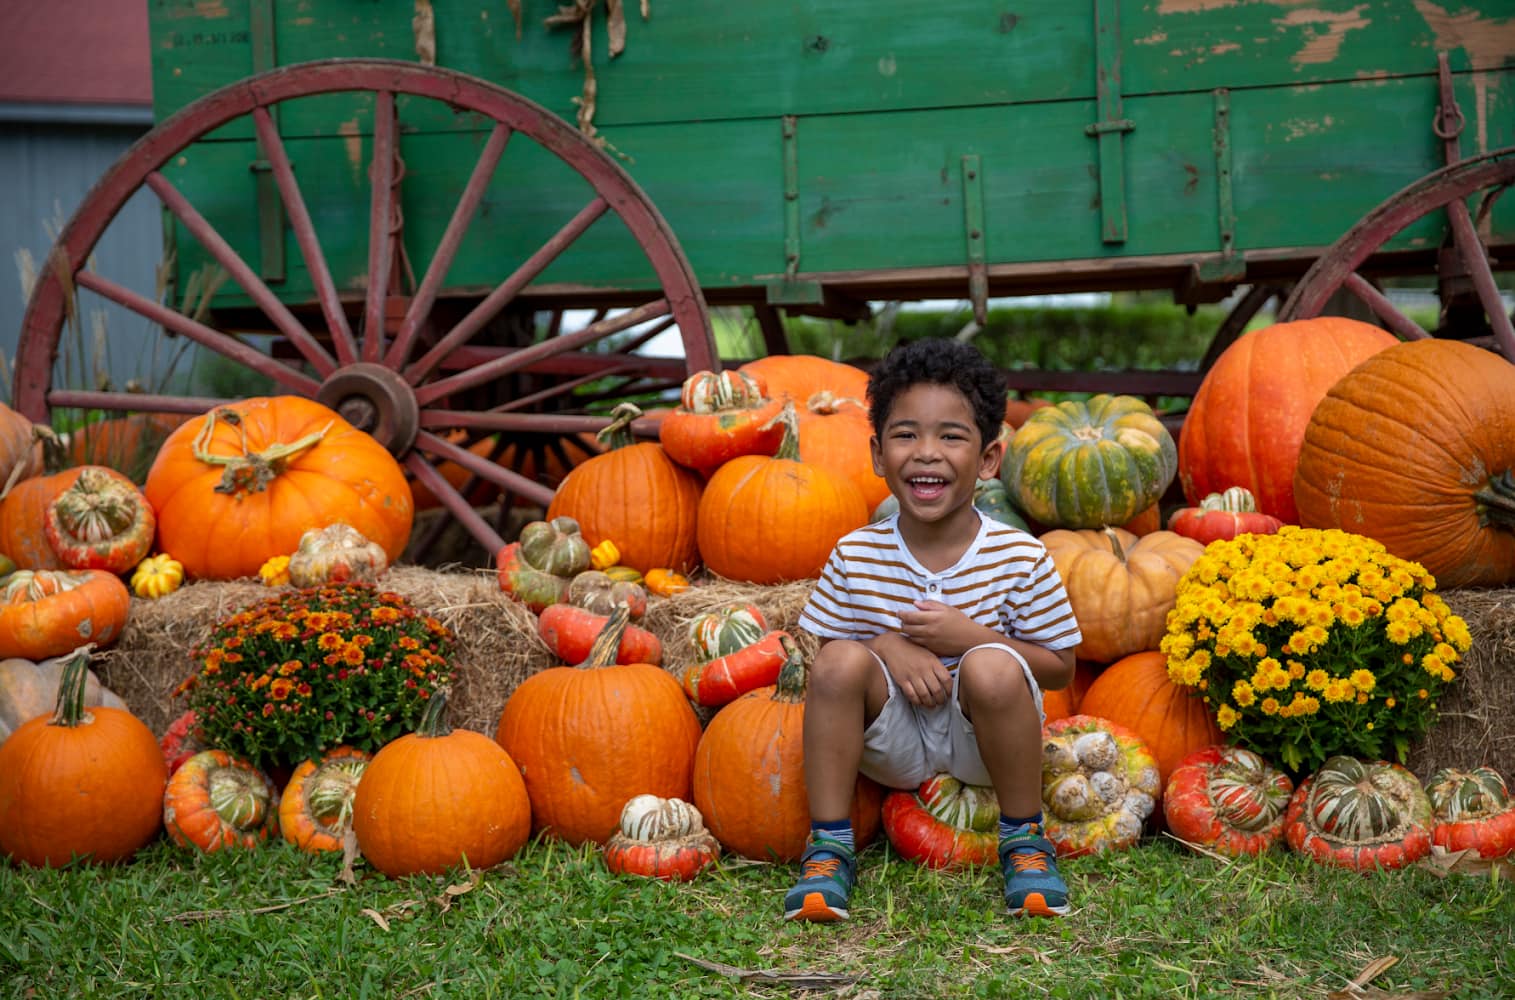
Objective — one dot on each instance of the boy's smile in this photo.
(931, 453)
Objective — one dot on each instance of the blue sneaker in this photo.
(828, 872)
(1032, 885)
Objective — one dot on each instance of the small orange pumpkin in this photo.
(770, 519)
(636, 495)
(82, 782)
(438, 798)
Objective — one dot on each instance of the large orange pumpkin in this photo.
(749, 773)
(769, 519)
(1248, 419)
(588, 738)
(85, 782)
(835, 433)
(1416, 448)
(1135, 691)
(1121, 587)
(797, 377)
(240, 485)
(635, 496)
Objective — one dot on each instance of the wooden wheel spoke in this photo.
(1475, 257)
(456, 505)
(447, 248)
(241, 273)
(516, 360)
(1385, 310)
(508, 289)
(215, 340)
(485, 469)
(305, 235)
(132, 402)
(381, 224)
(561, 388)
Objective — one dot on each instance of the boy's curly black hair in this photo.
(939, 361)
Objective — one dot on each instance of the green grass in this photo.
(1155, 921)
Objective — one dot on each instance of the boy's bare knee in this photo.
(991, 679)
(843, 666)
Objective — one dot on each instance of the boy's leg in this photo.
(844, 692)
(996, 695)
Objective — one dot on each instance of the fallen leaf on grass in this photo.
(444, 901)
(1442, 862)
(1358, 988)
(1201, 849)
(803, 980)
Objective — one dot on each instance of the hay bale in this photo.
(495, 644)
(1474, 724)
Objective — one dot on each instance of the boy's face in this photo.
(931, 454)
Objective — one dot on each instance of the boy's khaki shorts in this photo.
(909, 743)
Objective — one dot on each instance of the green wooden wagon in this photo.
(409, 196)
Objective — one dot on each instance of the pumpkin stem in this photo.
(793, 674)
(827, 402)
(249, 473)
(434, 716)
(1115, 545)
(1495, 503)
(617, 433)
(789, 447)
(70, 709)
(608, 643)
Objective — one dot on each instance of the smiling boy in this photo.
(941, 628)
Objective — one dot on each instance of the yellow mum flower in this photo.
(1226, 717)
(1269, 706)
(1316, 679)
(1242, 694)
(1363, 680)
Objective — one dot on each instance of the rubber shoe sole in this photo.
(815, 909)
(1035, 905)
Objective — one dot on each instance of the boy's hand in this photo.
(916, 670)
(940, 628)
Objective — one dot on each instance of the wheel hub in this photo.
(377, 401)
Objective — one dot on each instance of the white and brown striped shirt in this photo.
(1005, 581)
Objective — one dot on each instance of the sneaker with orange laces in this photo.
(1032, 885)
(828, 871)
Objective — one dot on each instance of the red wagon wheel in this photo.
(1483, 178)
(413, 383)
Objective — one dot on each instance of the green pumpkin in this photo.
(989, 496)
(1090, 464)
